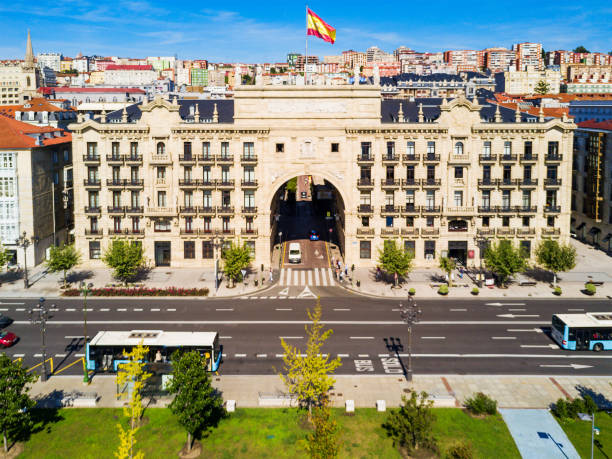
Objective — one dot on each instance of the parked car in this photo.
(314, 236)
(5, 321)
(295, 253)
(7, 339)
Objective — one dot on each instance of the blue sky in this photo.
(265, 31)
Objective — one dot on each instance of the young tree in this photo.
(63, 259)
(5, 257)
(322, 443)
(411, 425)
(394, 260)
(15, 403)
(196, 403)
(125, 258)
(504, 259)
(448, 265)
(291, 186)
(542, 87)
(555, 257)
(132, 374)
(307, 376)
(235, 258)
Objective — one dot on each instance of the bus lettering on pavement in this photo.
(363, 366)
(391, 365)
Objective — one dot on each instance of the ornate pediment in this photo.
(160, 102)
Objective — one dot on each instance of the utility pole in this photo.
(24, 242)
(410, 315)
(85, 288)
(41, 320)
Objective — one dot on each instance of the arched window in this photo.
(161, 148)
(28, 82)
(459, 148)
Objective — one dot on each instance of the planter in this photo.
(475, 291)
(590, 289)
(443, 290)
(557, 291)
(412, 292)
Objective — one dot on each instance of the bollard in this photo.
(350, 406)
(381, 405)
(230, 406)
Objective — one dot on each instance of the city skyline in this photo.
(251, 33)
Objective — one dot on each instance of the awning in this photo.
(582, 225)
(607, 238)
(594, 230)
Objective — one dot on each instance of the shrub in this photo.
(443, 290)
(141, 291)
(475, 291)
(566, 409)
(557, 290)
(590, 289)
(460, 450)
(481, 403)
(412, 291)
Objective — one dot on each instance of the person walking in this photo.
(271, 275)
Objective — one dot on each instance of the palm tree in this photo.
(448, 265)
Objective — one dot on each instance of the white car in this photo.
(295, 253)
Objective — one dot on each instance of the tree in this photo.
(291, 186)
(15, 402)
(307, 375)
(236, 258)
(63, 259)
(196, 403)
(394, 260)
(411, 425)
(322, 443)
(125, 258)
(504, 259)
(132, 375)
(5, 257)
(581, 49)
(542, 87)
(448, 265)
(555, 257)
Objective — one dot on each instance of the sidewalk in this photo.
(451, 390)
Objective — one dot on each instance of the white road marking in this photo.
(383, 355)
(137, 309)
(331, 277)
(291, 337)
(223, 355)
(23, 309)
(38, 356)
(295, 278)
(225, 337)
(284, 309)
(3, 309)
(537, 330)
(512, 316)
(503, 337)
(18, 355)
(511, 356)
(504, 304)
(170, 309)
(239, 355)
(280, 356)
(272, 297)
(224, 309)
(263, 297)
(364, 355)
(10, 304)
(253, 297)
(316, 276)
(281, 281)
(433, 337)
(60, 355)
(306, 293)
(120, 309)
(79, 355)
(575, 366)
(302, 278)
(292, 297)
(361, 337)
(551, 346)
(104, 309)
(73, 337)
(517, 309)
(324, 277)
(343, 356)
(67, 309)
(154, 309)
(262, 356)
(459, 309)
(575, 309)
(342, 309)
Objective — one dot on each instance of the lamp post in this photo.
(480, 242)
(41, 319)
(217, 244)
(85, 289)
(24, 242)
(410, 315)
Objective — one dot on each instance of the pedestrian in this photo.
(333, 261)
(346, 270)
(378, 273)
(271, 275)
(340, 275)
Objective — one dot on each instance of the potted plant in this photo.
(412, 291)
(475, 291)
(590, 289)
(443, 289)
(557, 291)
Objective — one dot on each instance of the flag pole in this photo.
(306, 61)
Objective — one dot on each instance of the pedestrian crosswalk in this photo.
(322, 277)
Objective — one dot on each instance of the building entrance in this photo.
(162, 254)
(458, 250)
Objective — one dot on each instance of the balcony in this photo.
(551, 232)
(486, 209)
(252, 183)
(411, 183)
(225, 210)
(508, 158)
(248, 232)
(459, 159)
(552, 209)
(430, 209)
(552, 182)
(528, 158)
(389, 210)
(133, 159)
(459, 210)
(225, 183)
(430, 183)
(189, 183)
(506, 209)
(390, 159)
(410, 232)
(389, 232)
(506, 231)
(365, 232)
(487, 158)
(227, 231)
(91, 183)
(389, 183)
(507, 183)
(208, 183)
(365, 159)
(431, 158)
(160, 159)
(115, 183)
(248, 159)
(134, 209)
(430, 232)
(188, 210)
(189, 232)
(91, 159)
(134, 232)
(115, 210)
(206, 159)
(365, 183)
(485, 231)
(525, 232)
(487, 183)
(208, 211)
(114, 159)
(527, 209)
(527, 183)
(161, 211)
(93, 209)
(224, 159)
(365, 209)
(249, 210)
(411, 158)
(553, 158)
(134, 183)
(187, 159)
(410, 209)
(94, 232)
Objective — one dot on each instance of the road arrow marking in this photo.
(551, 346)
(284, 292)
(513, 316)
(505, 304)
(575, 366)
(306, 293)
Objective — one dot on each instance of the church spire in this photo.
(29, 57)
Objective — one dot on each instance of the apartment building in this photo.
(499, 59)
(526, 81)
(528, 55)
(441, 176)
(49, 60)
(465, 59)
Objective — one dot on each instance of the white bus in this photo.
(591, 331)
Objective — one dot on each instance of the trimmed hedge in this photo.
(481, 403)
(140, 291)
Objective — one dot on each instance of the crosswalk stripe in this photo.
(295, 278)
(303, 277)
(282, 277)
(289, 274)
(323, 277)
(331, 276)
(309, 278)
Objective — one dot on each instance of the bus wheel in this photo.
(598, 347)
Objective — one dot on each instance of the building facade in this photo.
(19, 80)
(525, 82)
(528, 55)
(442, 177)
(49, 60)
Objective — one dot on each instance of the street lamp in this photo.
(410, 315)
(41, 320)
(24, 242)
(481, 243)
(217, 244)
(85, 289)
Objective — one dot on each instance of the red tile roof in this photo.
(15, 134)
(592, 124)
(129, 67)
(37, 104)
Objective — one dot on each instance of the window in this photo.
(458, 198)
(249, 174)
(92, 149)
(410, 173)
(409, 198)
(553, 148)
(431, 172)
(527, 172)
(55, 157)
(226, 198)
(206, 223)
(389, 222)
(410, 148)
(117, 224)
(207, 250)
(430, 198)
(188, 199)
(389, 198)
(506, 199)
(93, 225)
(431, 148)
(206, 150)
(390, 149)
(207, 198)
(249, 198)
(550, 222)
(526, 198)
(365, 221)
(364, 198)
(429, 222)
(486, 198)
(430, 250)
(335, 147)
(161, 199)
(525, 247)
(485, 222)
(189, 249)
(116, 174)
(410, 222)
(459, 148)
(94, 250)
(248, 149)
(526, 222)
(507, 173)
(187, 173)
(486, 148)
(115, 149)
(225, 174)
(93, 199)
(551, 198)
(507, 148)
(225, 149)
(365, 173)
(249, 224)
(280, 148)
(66, 156)
(225, 223)
(390, 173)
(251, 246)
(551, 172)
(366, 149)
(528, 148)
(409, 247)
(206, 174)
(187, 150)
(365, 249)
(161, 172)
(116, 199)
(486, 173)
(505, 221)
(162, 226)
(134, 174)
(136, 224)
(161, 148)
(458, 172)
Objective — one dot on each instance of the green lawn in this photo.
(248, 433)
(579, 433)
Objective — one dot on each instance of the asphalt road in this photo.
(471, 336)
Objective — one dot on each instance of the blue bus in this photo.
(107, 349)
(591, 331)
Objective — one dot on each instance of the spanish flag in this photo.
(319, 28)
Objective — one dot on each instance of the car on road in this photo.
(295, 253)
(5, 321)
(7, 339)
(314, 236)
